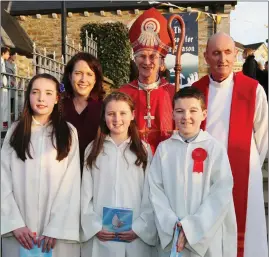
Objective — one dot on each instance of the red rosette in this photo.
(198, 156)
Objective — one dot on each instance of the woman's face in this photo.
(82, 79)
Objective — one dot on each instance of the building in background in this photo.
(261, 53)
(42, 21)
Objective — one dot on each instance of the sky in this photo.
(249, 21)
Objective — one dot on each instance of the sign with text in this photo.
(189, 57)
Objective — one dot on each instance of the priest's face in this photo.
(118, 116)
(43, 97)
(188, 116)
(148, 63)
(82, 79)
(220, 55)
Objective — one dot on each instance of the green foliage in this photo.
(114, 49)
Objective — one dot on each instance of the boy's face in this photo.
(5, 55)
(188, 115)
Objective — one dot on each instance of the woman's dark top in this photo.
(86, 122)
(250, 67)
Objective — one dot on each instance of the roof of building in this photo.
(251, 46)
(46, 7)
(5, 39)
(239, 45)
(19, 38)
(254, 46)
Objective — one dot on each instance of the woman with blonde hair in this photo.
(250, 66)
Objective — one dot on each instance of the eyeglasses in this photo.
(151, 57)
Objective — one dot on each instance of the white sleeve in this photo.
(165, 216)
(261, 123)
(91, 222)
(11, 217)
(64, 215)
(144, 225)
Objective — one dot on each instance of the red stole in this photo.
(239, 141)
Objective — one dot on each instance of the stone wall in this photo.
(24, 66)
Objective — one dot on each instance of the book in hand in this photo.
(174, 252)
(117, 220)
(34, 252)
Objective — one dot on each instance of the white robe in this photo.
(202, 201)
(217, 125)
(117, 183)
(41, 193)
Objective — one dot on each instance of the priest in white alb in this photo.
(238, 117)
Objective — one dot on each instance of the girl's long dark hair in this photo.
(61, 133)
(136, 145)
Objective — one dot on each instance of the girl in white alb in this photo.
(115, 176)
(40, 176)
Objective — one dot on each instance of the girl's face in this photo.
(43, 97)
(118, 117)
(82, 79)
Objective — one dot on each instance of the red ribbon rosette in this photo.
(198, 156)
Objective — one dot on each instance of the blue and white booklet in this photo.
(174, 252)
(117, 220)
(34, 252)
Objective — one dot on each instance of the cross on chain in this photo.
(148, 117)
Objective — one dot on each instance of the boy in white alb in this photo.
(191, 186)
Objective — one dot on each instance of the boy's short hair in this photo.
(12, 51)
(190, 92)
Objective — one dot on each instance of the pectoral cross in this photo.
(149, 118)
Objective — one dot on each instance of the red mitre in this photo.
(149, 32)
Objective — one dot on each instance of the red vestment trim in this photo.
(239, 143)
(160, 107)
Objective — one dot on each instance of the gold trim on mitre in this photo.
(149, 32)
